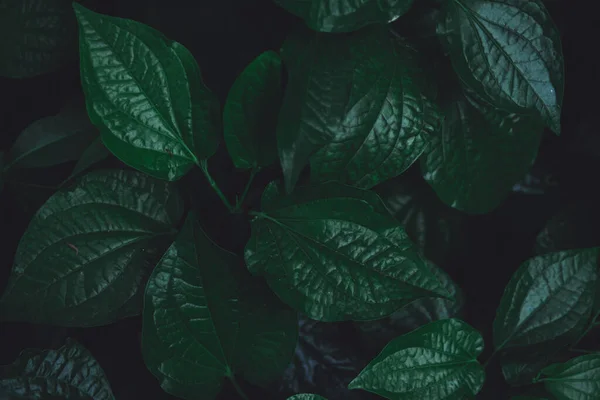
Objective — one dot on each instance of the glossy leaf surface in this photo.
(138, 93)
(479, 155)
(206, 319)
(36, 36)
(577, 379)
(84, 255)
(437, 361)
(69, 372)
(509, 52)
(334, 253)
(355, 106)
(250, 113)
(345, 15)
(549, 297)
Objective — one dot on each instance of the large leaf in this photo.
(205, 319)
(577, 379)
(345, 15)
(509, 52)
(51, 141)
(334, 253)
(435, 362)
(355, 106)
(137, 86)
(84, 255)
(93, 154)
(36, 36)
(250, 113)
(69, 372)
(550, 297)
(479, 155)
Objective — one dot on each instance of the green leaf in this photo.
(85, 253)
(137, 87)
(479, 155)
(550, 297)
(51, 141)
(36, 36)
(250, 113)
(509, 52)
(93, 154)
(577, 379)
(334, 253)
(345, 16)
(205, 319)
(355, 106)
(436, 361)
(306, 396)
(69, 372)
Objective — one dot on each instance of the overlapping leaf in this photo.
(86, 252)
(206, 319)
(577, 379)
(437, 361)
(334, 253)
(355, 106)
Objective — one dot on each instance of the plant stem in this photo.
(204, 167)
(591, 326)
(240, 201)
(237, 387)
(485, 364)
(35, 185)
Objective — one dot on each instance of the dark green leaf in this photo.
(306, 396)
(70, 372)
(36, 36)
(334, 253)
(343, 15)
(137, 91)
(549, 297)
(51, 141)
(206, 319)
(84, 254)
(577, 379)
(93, 154)
(479, 156)
(355, 106)
(509, 52)
(437, 361)
(250, 114)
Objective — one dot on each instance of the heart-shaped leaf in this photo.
(205, 319)
(334, 253)
(577, 379)
(437, 361)
(86, 252)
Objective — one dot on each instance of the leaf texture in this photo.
(577, 379)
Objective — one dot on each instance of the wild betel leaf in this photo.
(344, 15)
(549, 298)
(83, 257)
(145, 95)
(205, 319)
(509, 52)
(355, 106)
(479, 155)
(250, 113)
(93, 154)
(69, 372)
(577, 379)
(36, 36)
(437, 361)
(306, 396)
(334, 253)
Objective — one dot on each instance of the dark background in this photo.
(481, 253)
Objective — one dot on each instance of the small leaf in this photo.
(479, 155)
(93, 154)
(436, 361)
(509, 52)
(355, 107)
(334, 253)
(306, 396)
(36, 36)
(52, 141)
(577, 379)
(549, 298)
(250, 113)
(343, 15)
(137, 91)
(85, 253)
(70, 372)
(205, 319)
